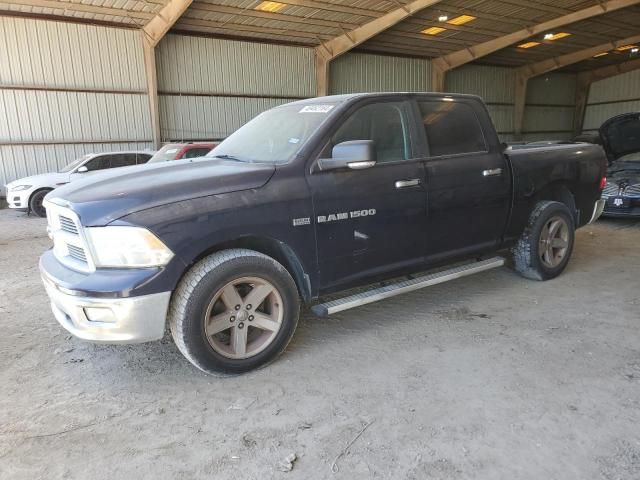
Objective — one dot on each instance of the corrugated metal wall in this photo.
(210, 87)
(550, 107)
(494, 84)
(550, 99)
(611, 97)
(363, 72)
(67, 89)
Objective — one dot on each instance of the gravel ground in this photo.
(491, 376)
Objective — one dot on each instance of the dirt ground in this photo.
(487, 377)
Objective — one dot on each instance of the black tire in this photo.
(196, 292)
(527, 252)
(35, 203)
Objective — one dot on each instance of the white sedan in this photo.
(26, 194)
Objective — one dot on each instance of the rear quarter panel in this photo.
(538, 172)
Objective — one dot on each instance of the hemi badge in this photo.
(298, 222)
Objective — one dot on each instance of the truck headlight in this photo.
(19, 188)
(121, 246)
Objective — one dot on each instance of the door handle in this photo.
(407, 183)
(492, 172)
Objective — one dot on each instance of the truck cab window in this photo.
(452, 128)
(384, 123)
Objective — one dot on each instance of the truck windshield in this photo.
(274, 136)
(73, 165)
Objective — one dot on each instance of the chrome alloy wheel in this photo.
(554, 242)
(243, 317)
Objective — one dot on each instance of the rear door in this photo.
(468, 181)
(371, 221)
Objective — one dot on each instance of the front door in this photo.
(370, 221)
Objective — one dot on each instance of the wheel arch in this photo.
(276, 249)
(560, 191)
(39, 189)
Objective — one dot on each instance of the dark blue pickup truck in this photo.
(303, 203)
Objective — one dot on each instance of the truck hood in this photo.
(107, 196)
(51, 180)
(621, 135)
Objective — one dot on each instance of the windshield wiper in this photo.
(228, 157)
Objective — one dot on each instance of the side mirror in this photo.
(82, 169)
(355, 155)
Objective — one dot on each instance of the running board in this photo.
(405, 286)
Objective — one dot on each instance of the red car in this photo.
(179, 151)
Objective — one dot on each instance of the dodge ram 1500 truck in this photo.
(305, 201)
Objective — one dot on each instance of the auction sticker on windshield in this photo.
(316, 109)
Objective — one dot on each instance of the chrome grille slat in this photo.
(68, 225)
(77, 253)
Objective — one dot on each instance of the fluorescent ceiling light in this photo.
(626, 47)
(601, 54)
(461, 20)
(556, 36)
(433, 30)
(270, 6)
(529, 45)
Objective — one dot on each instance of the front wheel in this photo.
(234, 311)
(36, 203)
(544, 249)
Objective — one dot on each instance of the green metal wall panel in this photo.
(552, 89)
(67, 89)
(189, 64)
(493, 84)
(361, 72)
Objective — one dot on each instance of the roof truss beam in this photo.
(461, 57)
(546, 66)
(341, 44)
(152, 33)
(347, 41)
(609, 71)
(166, 18)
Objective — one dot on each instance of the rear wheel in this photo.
(544, 249)
(234, 311)
(36, 203)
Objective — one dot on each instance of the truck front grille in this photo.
(69, 242)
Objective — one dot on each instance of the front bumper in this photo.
(120, 320)
(18, 200)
